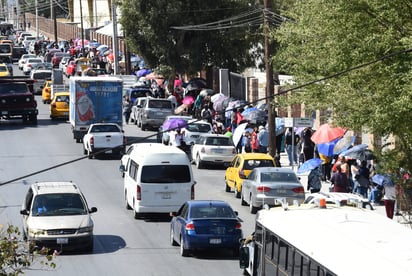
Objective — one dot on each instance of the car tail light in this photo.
(190, 226)
(202, 150)
(299, 190)
(138, 193)
(91, 141)
(242, 174)
(192, 192)
(263, 189)
(238, 225)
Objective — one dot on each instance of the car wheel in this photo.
(144, 127)
(227, 188)
(237, 192)
(172, 239)
(253, 209)
(199, 164)
(183, 251)
(89, 154)
(242, 200)
(127, 203)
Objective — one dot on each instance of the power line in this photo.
(406, 51)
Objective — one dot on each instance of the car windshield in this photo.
(160, 104)
(212, 211)
(165, 174)
(105, 128)
(278, 177)
(9, 88)
(251, 164)
(204, 128)
(67, 204)
(218, 141)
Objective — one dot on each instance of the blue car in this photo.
(205, 224)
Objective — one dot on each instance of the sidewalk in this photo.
(284, 161)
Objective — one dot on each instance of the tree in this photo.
(15, 254)
(148, 26)
(327, 37)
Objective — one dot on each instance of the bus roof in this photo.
(346, 240)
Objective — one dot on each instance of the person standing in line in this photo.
(340, 181)
(389, 196)
(290, 146)
(254, 142)
(263, 139)
(127, 109)
(246, 146)
(308, 146)
(314, 180)
(233, 119)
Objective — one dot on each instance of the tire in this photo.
(89, 154)
(144, 127)
(237, 192)
(172, 239)
(227, 188)
(199, 164)
(242, 200)
(253, 210)
(183, 251)
(127, 204)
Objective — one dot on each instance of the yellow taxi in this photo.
(4, 71)
(241, 166)
(46, 92)
(59, 106)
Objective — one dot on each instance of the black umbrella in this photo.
(196, 84)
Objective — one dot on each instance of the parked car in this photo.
(213, 149)
(56, 216)
(270, 186)
(241, 166)
(59, 105)
(205, 224)
(4, 71)
(29, 64)
(46, 92)
(40, 77)
(23, 59)
(17, 53)
(104, 138)
(153, 112)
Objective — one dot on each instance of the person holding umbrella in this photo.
(314, 180)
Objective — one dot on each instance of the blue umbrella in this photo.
(382, 180)
(359, 152)
(250, 110)
(309, 165)
(327, 148)
(174, 123)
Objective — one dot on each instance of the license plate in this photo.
(62, 241)
(4, 112)
(281, 191)
(217, 150)
(166, 196)
(215, 241)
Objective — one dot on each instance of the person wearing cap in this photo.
(263, 139)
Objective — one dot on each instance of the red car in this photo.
(71, 69)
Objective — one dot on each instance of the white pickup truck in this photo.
(104, 138)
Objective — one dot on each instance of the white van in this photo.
(157, 178)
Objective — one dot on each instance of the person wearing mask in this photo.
(263, 139)
(340, 181)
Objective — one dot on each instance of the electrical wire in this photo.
(406, 51)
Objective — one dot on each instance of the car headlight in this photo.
(88, 229)
(36, 232)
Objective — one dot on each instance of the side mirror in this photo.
(173, 214)
(93, 210)
(24, 212)
(244, 257)
(122, 169)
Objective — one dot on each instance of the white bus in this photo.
(308, 240)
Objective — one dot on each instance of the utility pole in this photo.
(36, 4)
(53, 10)
(81, 27)
(270, 91)
(115, 41)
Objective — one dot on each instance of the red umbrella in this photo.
(326, 134)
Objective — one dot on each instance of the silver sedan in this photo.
(270, 186)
